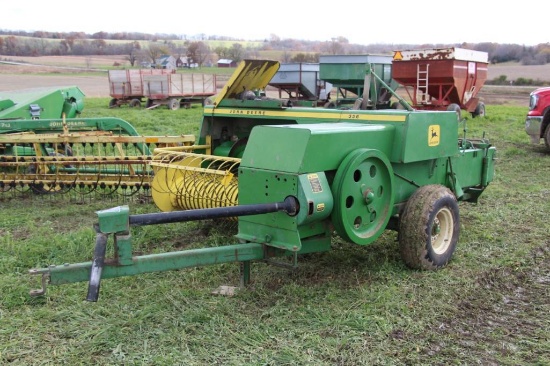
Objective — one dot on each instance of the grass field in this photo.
(351, 306)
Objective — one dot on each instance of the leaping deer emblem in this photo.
(434, 134)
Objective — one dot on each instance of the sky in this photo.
(364, 22)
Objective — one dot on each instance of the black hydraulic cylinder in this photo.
(97, 267)
(289, 205)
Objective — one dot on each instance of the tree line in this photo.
(142, 47)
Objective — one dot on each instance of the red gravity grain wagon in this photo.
(442, 78)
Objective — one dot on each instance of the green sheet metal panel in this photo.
(429, 135)
(351, 69)
(279, 229)
(56, 125)
(418, 135)
(42, 103)
(239, 122)
(313, 147)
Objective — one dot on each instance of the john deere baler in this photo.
(294, 178)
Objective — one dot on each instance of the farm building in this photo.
(224, 62)
(166, 62)
(185, 62)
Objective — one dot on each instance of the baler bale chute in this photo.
(442, 78)
(354, 89)
(42, 103)
(302, 175)
(302, 84)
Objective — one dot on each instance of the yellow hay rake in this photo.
(99, 153)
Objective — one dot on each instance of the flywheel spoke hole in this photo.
(372, 171)
(357, 175)
(349, 201)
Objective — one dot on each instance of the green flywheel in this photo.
(363, 196)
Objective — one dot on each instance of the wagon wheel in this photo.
(174, 104)
(429, 227)
(363, 196)
(456, 108)
(135, 103)
(113, 103)
(546, 137)
(479, 111)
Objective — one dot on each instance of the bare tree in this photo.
(132, 50)
(222, 52)
(154, 51)
(180, 51)
(198, 52)
(286, 56)
(335, 47)
(10, 45)
(236, 52)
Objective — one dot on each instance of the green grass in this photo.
(351, 306)
(160, 121)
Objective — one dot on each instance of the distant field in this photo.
(512, 71)
(90, 74)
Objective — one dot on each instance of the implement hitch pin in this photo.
(45, 278)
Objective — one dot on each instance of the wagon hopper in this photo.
(442, 78)
(300, 84)
(302, 174)
(354, 89)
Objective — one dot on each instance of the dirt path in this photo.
(91, 86)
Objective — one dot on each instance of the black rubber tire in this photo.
(174, 104)
(135, 103)
(456, 108)
(546, 137)
(113, 103)
(479, 111)
(429, 228)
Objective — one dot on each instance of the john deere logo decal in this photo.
(433, 135)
